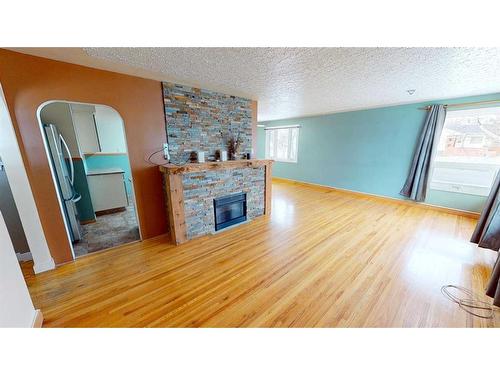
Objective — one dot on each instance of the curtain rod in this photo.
(464, 104)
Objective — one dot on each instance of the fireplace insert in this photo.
(230, 210)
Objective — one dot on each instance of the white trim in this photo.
(460, 188)
(284, 161)
(455, 182)
(45, 266)
(21, 191)
(132, 185)
(37, 319)
(281, 127)
(290, 129)
(16, 306)
(53, 174)
(24, 257)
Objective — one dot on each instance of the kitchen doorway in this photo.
(87, 149)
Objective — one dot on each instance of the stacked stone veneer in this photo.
(201, 188)
(203, 120)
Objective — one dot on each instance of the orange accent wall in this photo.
(29, 81)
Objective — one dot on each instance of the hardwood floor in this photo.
(323, 259)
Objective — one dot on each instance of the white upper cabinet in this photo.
(99, 129)
(110, 130)
(85, 126)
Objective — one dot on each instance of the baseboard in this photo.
(44, 266)
(110, 211)
(24, 257)
(38, 319)
(455, 211)
(84, 222)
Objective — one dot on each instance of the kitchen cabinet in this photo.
(110, 132)
(107, 189)
(99, 129)
(86, 130)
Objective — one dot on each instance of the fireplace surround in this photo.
(191, 190)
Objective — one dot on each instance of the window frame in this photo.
(461, 188)
(275, 129)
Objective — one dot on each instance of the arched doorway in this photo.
(87, 149)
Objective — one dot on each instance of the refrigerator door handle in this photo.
(53, 133)
(72, 177)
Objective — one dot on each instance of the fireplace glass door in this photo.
(230, 210)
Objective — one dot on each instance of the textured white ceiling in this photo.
(293, 82)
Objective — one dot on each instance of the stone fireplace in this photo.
(199, 120)
(191, 191)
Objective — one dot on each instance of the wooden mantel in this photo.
(214, 165)
(175, 191)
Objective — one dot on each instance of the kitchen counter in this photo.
(107, 189)
(96, 172)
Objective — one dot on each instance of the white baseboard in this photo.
(44, 266)
(24, 257)
(38, 319)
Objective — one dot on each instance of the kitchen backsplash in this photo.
(203, 120)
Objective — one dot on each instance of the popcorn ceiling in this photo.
(294, 82)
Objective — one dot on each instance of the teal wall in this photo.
(368, 151)
(111, 161)
(84, 205)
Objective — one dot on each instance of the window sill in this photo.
(286, 161)
(460, 189)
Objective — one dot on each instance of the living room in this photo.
(250, 187)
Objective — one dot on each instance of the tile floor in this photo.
(108, 231)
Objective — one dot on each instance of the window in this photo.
(282, 143)
(468, 154)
